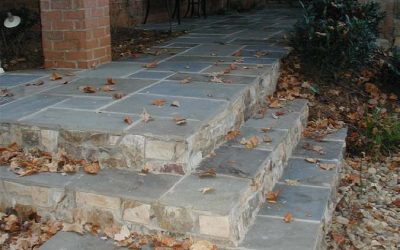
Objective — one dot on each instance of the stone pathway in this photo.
(228, 64)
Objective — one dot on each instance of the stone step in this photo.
(311, 200)
(162, 202)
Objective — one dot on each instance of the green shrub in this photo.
(334, 35)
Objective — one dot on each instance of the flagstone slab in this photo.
(212, 50)
(146, 74)
(27, 106)
(114, 69)
(181, 66)
(241, 69)
(87, 102)
(199, 90)
(240, 162)
(192, 78)
(78, 120)
(125, 184)
(332, 150)
(189, 108)
(8, 80)
(274, 234)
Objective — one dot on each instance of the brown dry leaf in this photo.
(76, 228)
(67, 168)
(272, 197)
(396, 202)
(327, 166)
(338, 238)
(311, 160)
(267, 139)
(372, 89)
(88, 89)
(3, 238)
(118, 95)
(107, 88)
(123, 234)
(151, 65)
(207, 173)
(145, 117)
(288, 218)
(315, 148)
(179, 120)
(92, 168)
(158, 102)
(233, 66)
(232, 135)
(128, 120)
(186, 80)
(206, 190)
(175, 104)
(55, 76)
(251, 143)
(265, 130)
(216, 79)
(275, 104)
(203, 245)
(110, 81)
(238, 53)
(261, 53)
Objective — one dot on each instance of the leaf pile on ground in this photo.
(368, 212)
(128, 42)
(28, 162)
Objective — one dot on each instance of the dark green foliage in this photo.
(336, 35)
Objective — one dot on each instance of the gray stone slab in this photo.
(308, 203)
(207, 78)
(165, 128)
(223, 59)
(274, 234)
(242, 69)
(286, 121)
(269, 54)
(201, 40)
(212, 50)
(226, 195)
(146, 74)
(114, 69)
(89, 103)
(307, 173)
(195, 89)
(29, 105)
(181, 66)
(333, 150)
(339, 135)
(125, 86)
(78, 120)
(51, 180)
(74, 241)
(125, 184)
(234, 161)
(190, 108)
(276, 136)
(153, 54)
(266, 47)
(181, 45)
(11, 80)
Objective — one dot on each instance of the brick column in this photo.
(75, 33)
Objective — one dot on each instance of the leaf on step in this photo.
(238, 53)
(87, 89)
(275, 104)
(279, 113)
(261, 53)
(38, 83)
(233, 66)
(232, 135)
(107, 88)
(216, 79)
(180, 120)
(151, 65)
(186, 80)
(291, 182)
(251, 143)
(265, 130)
(110, 81)
(338, 238)
(55, 76)
(288, 217)
(145, 117)
(67, 168)
(92, 168)
(311, 160)
(316, 148)
(158, 102)
(206, 190)
(123, 234)
(203, 245)
(118, 95)
(128, 120)
(267, 139)
(327, 166)
(272, 196)
(76, 228)
(207, 173)
(175, 104)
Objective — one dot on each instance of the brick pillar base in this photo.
(75, 33)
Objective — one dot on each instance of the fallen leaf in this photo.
(158, 102)
(291, 182)
(327, 166)
(151, 65)
(3, 238)
(251, 143)
(238, 53)
(123, 234)
(311, 160)
(288, 218)
(396, 202)
(118, 95)
(92, 168)
(88, 89)
(38, 83)
(55, 76)
(203, 245)
(232, 135)
(338, 238)
(110, 81)
(233, 66)
(316, 148)
(206, 190)
(145, 117)
(76, 228)
(179, 120)
(272, 196)
(107, 88)
(207, 173)
(186, 80)
(67, 168)
(216, 79)
(175, 104)
(267, 139)
(128, 120)
(261, 53)
(265, 130)
(275, 104)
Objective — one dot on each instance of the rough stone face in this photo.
(96, 200)
(173, 218)
(215, 225)
(133, 148)
(137, 212)
(49, 140)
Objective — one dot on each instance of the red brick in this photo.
(53, 35)
(73, 14)
(63, 25)
(66, 45)
(61, 4)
